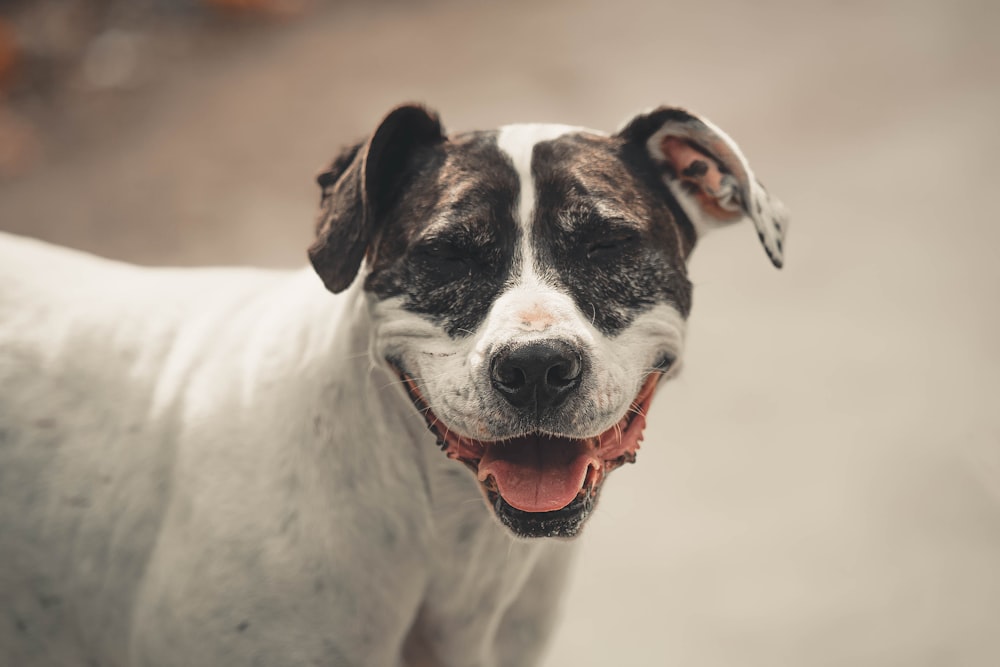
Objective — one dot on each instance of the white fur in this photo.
(518, 142)
(215, 467)
(204, 467)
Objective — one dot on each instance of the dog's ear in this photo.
(358, 187)
(707, 173)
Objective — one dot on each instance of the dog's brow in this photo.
(452, 237)
(448, 227)
(597, 213)
(603, 209)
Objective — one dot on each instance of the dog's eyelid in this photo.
(436, 245)
(618, 238)
(608, 221)
(623, 228)
(621, 231)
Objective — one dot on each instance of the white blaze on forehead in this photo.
(518, 142)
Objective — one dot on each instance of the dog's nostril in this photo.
(510, 376)
(564, 373)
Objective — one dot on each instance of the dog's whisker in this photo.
(637, 410)
(421, 381)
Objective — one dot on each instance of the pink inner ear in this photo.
(701, 173)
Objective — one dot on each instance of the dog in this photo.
(235, 467)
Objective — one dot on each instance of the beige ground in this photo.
(822, 485)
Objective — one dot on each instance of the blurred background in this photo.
(821, 486)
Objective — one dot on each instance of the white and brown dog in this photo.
(232, 467)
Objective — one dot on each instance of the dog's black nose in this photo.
(538, 375)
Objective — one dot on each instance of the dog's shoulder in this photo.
(69, 313)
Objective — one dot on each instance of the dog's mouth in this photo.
(541, 484)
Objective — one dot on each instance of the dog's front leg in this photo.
(230, 612)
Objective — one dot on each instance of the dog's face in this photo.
(528, 285)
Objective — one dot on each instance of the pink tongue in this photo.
(537, 473)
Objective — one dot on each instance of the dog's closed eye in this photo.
(445, 260)
(612, 245)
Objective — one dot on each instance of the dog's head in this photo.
(528, 285)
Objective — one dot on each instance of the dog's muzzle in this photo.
(540, 484)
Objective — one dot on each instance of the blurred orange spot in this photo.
(277, 8)
(20, 145)
(8, 51)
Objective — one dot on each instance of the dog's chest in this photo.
(476, 569)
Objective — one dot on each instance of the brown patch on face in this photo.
(535, 318)
(603, 174)
(608, 228)
(446, 242)
(700, 173)
(447, 189)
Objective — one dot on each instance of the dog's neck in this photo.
(335, 366)
(458, 533)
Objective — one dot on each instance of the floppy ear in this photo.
(707, 173)
(357, 188)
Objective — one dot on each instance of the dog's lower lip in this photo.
(564, 522)
(559, 470)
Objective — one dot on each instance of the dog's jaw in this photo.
(540, 484)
